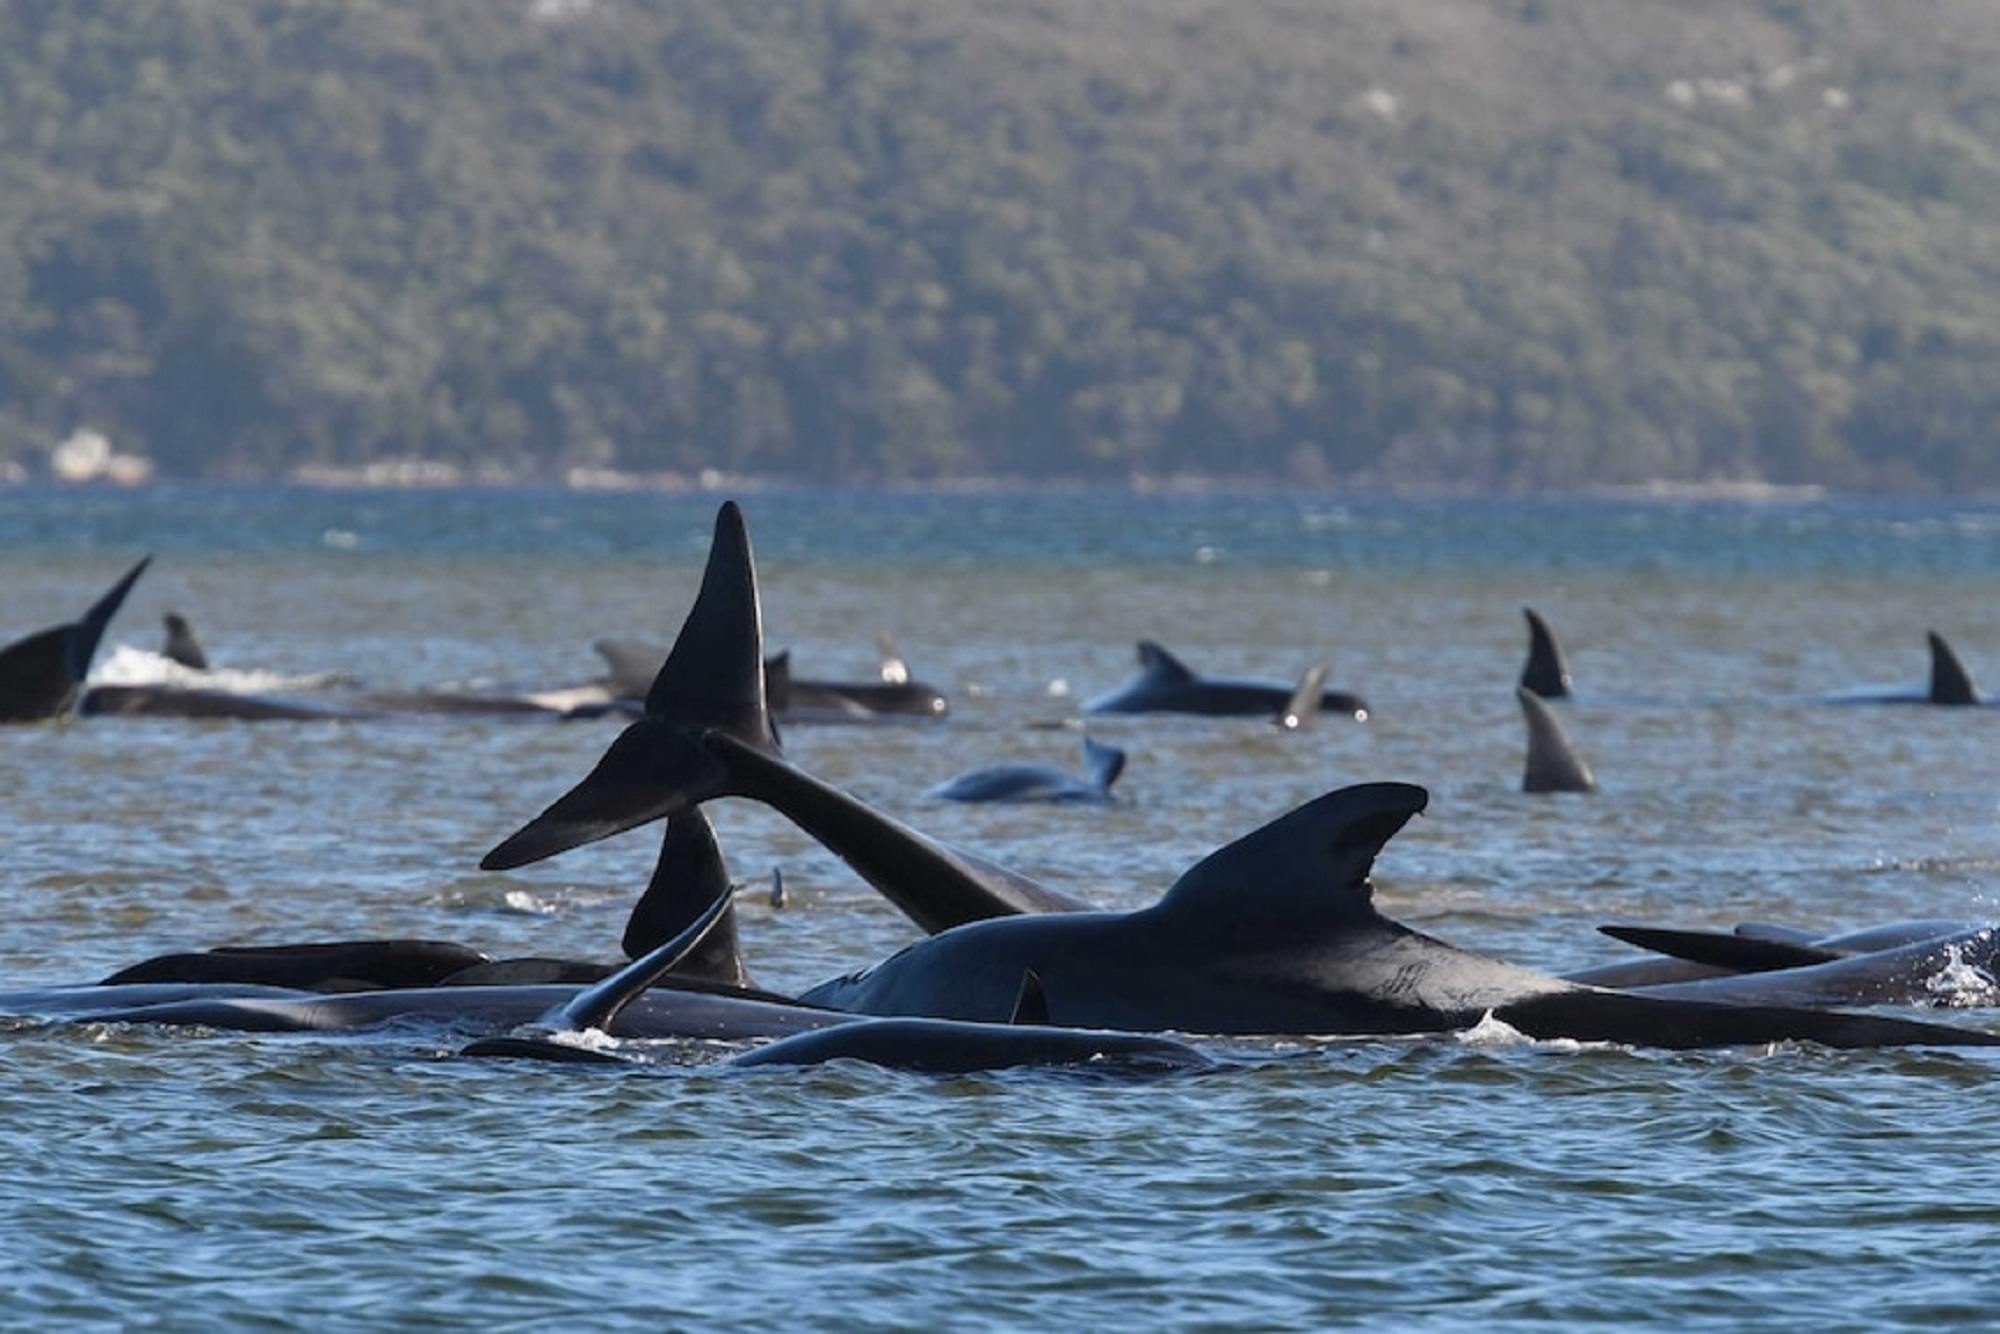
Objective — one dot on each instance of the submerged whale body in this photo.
(895, 696)
(1040, 782)
(1949, 684)
(1165, 684)
(42, 675)
(1932, 962)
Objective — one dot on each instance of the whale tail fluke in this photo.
(42, 675)
(1547, 669)
(711, 682)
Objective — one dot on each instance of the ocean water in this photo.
(173, 1179)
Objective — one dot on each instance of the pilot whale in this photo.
(1165, 684)
(895, 696)
(1021, 782)
(688, 877)
(1277, 933)
(707, 732)
(42, 675)
(1950, 683)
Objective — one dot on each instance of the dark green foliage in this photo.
(1545, 243)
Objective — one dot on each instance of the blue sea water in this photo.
(194, 1180)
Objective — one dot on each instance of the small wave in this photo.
(129, 666)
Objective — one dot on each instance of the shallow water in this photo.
(181, 1180)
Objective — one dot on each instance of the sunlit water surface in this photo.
(176, 1180)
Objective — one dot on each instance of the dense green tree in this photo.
(1539, 244)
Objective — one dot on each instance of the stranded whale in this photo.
(1165, 684)
(1102, 765)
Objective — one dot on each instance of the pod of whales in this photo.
(42, 675)
(895, 696)
(1165, 684)
(1275, 933)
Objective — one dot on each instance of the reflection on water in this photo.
(358, 1182)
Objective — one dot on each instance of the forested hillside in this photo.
(1477, 243)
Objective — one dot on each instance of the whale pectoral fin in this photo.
(1723, 949)
(599, 1004)
(650, 771)
(1304, 705)
(1950, 682)
(1160, 665)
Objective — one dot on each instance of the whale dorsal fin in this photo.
(1554, 763)
(1304, 705)
(1950, 682)
(182, 645)
(1102, 764)
(633, 665)
(1547, 669)
(714, 674)
(1161, 665)
(1308, 867)
(1032, 1005)
(689, 876)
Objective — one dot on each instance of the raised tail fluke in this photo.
(649, 772)
(712, 682)
(714, 674)
(42, 675)
(1547, 669)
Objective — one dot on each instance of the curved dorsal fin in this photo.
(1554, 763)
(1950, 682)
(42, 674)
(1309, 866)
(1102, 764)
(182, 645)
(596, 1006)
(1161, 665)
(1547, 669)
(1031, 1006)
